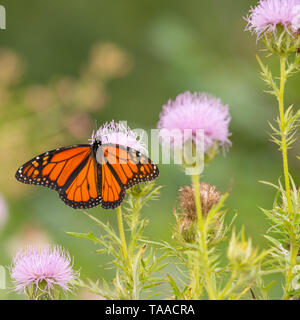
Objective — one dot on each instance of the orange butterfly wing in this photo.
(83, 191)
(81, 181)
(121, 169)
(72, 171)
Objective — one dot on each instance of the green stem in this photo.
(202, 242)
(227, 289)
(134, 222)
(196, 287)
(283, 133)
(122, 234)
(293, 261)
(294, 248)
(195, 180)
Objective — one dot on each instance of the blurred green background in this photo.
(65, 63)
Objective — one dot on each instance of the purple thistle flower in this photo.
(50, 265)
(119, 133)
(296, 18)
(197, 111)
(270, 13)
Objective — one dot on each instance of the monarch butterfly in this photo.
(87, 175)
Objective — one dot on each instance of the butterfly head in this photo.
(95, 139)
(95, 145)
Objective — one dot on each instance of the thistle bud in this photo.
(242, 255)
(187, 217)
(208, 194)
(239, 252)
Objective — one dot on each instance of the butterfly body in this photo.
(88, 175)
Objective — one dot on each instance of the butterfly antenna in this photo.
(96, 128)
(94, 133)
